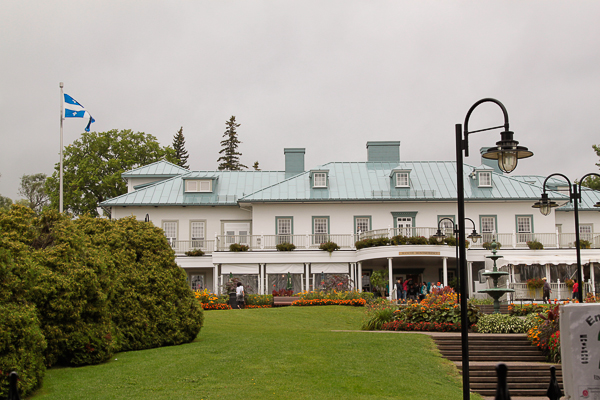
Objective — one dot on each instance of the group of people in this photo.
(410, 290)
(547, 290)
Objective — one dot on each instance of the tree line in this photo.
(93, 165)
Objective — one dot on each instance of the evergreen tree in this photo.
(230, 159)
(255, 166)
(181, 153)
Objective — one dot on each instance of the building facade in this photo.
(344, 202)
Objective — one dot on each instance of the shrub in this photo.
(502, 323)
(569, 283)
(416, 240)
(329, 246)
(488, 245)
(399, 240)
(283, 292)
(420, 326)
(535, 283)
(526, 309)
(285, 246)
(543, 334)
(535, 245)
(259, 300)
(585, 244)
(236, 247)
(377, 315)
(433, 241)
(194, 253)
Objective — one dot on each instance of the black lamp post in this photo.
(507, 151)
(545, 205)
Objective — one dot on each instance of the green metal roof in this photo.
(160, 168)
(370, 181)
(228, 187)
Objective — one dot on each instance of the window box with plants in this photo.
(535, 245)
(236, 247)
(329, 246)
(285, 246)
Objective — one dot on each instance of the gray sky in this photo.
(325, 75)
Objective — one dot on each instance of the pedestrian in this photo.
(239, 295)
(423, 291)
(575, 289)
(399, 288)
(405, 289)
(547, 291)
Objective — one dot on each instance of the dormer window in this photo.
(402, 179)
(198, 185)
(485, 178)
(319, 179)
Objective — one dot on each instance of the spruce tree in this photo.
(230, 159)
(180, 152)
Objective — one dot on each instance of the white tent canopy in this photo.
(329, 268)
(239, 269)
(544, 259)
(285, 268)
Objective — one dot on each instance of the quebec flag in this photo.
(75, 110)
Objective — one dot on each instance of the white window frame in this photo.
(402, 179)
(524, 235)
(320, 179)
(363, 222)
(198, 185)
(485, 178)
(320, 230)
(171, 230)
(236, 234)
(586, 232)
(488, 227)
(284, 230)
(404, 225)
(197, 238)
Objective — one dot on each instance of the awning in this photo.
(285, 268)
(544, 259)
(329, 268)
(239, 269)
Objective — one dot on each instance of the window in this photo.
(362, 224)
(284, 229)
(170, 229)
(524, 230)
(446, 225)
(196, 282)
(198, 185)
(488, 227)
(402, 179)
(485, 179)
(236, 232)
(197, 230)
(586, 231)
(319, 179)
(404, 225)
(320, 230)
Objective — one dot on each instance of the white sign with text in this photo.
(580, 350)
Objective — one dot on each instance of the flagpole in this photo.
(60, 207)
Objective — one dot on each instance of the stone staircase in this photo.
(528, 373)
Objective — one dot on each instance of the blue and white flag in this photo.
(75, 110)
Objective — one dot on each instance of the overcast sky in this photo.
(324, 75)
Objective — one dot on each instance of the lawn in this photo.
(275, 353)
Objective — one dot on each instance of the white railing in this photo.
(560, 291)
(181, 246)
(347, 241)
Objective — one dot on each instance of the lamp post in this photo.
(439, 235)
(507, 151)
(545, 205)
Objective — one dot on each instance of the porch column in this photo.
(215, 278)
(390, 278)
(360, 276)
(219, 286)
(470, 286)
(261, 279)
(307, 269)
(351, 276)
(547, 268)
(592, 278)
(445, 271)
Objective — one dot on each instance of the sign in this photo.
(419, 253)
(580, 350)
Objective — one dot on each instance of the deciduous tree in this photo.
(93, 165)
(593, 182)
(33, 190)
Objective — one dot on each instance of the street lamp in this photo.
(545, 205)
(507, 151)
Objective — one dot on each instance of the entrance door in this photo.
(237, 232)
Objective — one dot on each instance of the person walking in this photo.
(547, 291)
(405, 289)
(423, 291)
(575, 289)
(399, 289)
(239, 295)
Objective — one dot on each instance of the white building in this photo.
(345, 201)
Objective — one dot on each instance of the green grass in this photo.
(277, 353)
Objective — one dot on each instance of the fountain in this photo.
(495, 292)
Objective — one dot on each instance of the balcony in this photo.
(512, 240)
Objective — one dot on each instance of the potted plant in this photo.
(194, 253)
(236, 247)
(535, 245)
(329, 246)
(488, 245)
(285, 246)
(585, 244)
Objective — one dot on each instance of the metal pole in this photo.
(464, 320)
(576, 197)
(62, 97)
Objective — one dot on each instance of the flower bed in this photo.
(421, 326)
(215, 306)
(330, 302)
